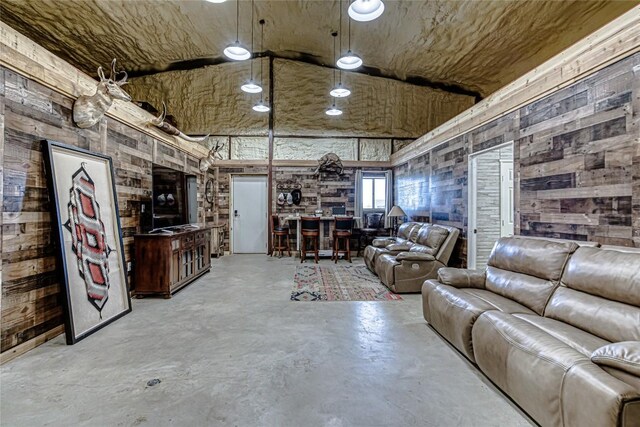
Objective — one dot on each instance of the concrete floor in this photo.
(232, 350)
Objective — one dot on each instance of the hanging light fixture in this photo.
(216, 1)
(338, 90)
(366, 10)
(261, 107)
(348, 61)
(333, 111)
(235, 50)
(251, 86)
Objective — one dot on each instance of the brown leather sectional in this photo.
(404, 262)
(555, 325)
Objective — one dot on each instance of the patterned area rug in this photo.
(338, 283)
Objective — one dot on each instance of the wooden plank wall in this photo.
(577, 163)
(31, 306)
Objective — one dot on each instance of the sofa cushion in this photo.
(525, 362)
(624, 356)
(610, 274)
(610, 320)
(452, 312)
(530, 291)
(432, 236)
(423, 249)
(405, 228)
(461, 277)
(413, 232)
(534, 257)
(578, 339)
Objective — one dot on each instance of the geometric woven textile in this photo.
(338, 283)
(88, 238)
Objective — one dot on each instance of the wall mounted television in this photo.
(174, 200)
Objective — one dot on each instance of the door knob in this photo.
(235, 213)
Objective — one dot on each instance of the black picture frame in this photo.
(69, 290)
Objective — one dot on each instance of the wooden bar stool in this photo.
(310, 229)
(342, 230)
(278, 232)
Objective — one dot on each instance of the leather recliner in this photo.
(403, 267)
(555, 325)
(406, 236)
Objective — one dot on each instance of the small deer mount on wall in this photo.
(172, 130)
(331, 163)
(214, 153)
(88, 110)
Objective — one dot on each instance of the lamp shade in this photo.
(396, 211)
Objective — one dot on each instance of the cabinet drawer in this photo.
(187, 241)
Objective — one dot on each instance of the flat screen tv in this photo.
(174, 197)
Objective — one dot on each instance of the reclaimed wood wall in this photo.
(29, 112)
(577, 164)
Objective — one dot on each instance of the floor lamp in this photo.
(395, 212)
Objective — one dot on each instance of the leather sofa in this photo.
(553, 324)
(416, 254)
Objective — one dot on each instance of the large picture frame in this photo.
(91, 258)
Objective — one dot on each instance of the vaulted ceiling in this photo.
(466, 45)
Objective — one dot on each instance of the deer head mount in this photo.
(214, 153)
(88, 110)
(330, 162)
(172, 130)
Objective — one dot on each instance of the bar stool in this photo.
(278, 232)
(310, 228)
(342, 230)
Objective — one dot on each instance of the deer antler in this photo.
(101, 74)
(172, 130)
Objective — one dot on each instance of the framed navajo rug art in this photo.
(90, 251)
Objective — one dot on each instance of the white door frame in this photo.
(231, 216)
(473, 201)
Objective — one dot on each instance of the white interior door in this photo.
(491, 201)
(249, 214)
(506, 198)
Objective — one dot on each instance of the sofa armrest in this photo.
(461, 277)
(624, 356)
(398, 247)
(383, 242)
(414, 256)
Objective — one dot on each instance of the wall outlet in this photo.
(129, 266)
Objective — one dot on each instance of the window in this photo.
(374, 192)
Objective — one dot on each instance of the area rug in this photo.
(338, 283)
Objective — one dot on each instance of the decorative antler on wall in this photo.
(88, 110)
(214, 153)
(330, 162)
(172, 130)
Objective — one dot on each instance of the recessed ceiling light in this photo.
(261, 107)
(366, 10)
(350, 61)
(333, 111)
(251, 87)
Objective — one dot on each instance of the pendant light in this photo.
(216, 1)
(333, 111)
(349, 61)
(365, 10)
(261, 107)
(251, 86)
(338, 90)
(236, 51)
